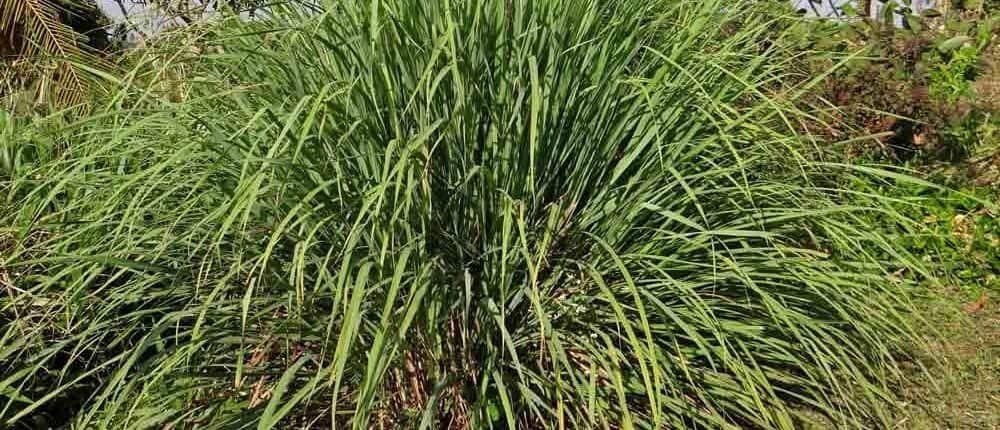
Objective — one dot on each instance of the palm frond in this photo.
(35, 33)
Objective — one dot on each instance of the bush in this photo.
(450, 214)
(921, 93)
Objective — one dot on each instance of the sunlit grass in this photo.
(403, 214)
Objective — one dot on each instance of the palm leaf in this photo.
(34, 32)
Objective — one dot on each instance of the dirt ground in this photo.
(961, 387)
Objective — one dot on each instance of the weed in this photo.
(951, 80)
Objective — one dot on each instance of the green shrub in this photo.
(916, 92)
(951, 80)
(402, 214)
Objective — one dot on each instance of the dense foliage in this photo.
(398, 213)
(925, 96)
(923, 92)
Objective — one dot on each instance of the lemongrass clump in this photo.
(462, 214)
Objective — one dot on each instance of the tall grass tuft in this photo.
(448, 214)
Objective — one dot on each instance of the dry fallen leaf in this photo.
(260, 393)
(978, 305)
(963, 227)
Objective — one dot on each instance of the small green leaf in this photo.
(931, 13)
(493, 412)
(915, 22)
(953, 43)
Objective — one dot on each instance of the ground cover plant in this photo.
(454, 214)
